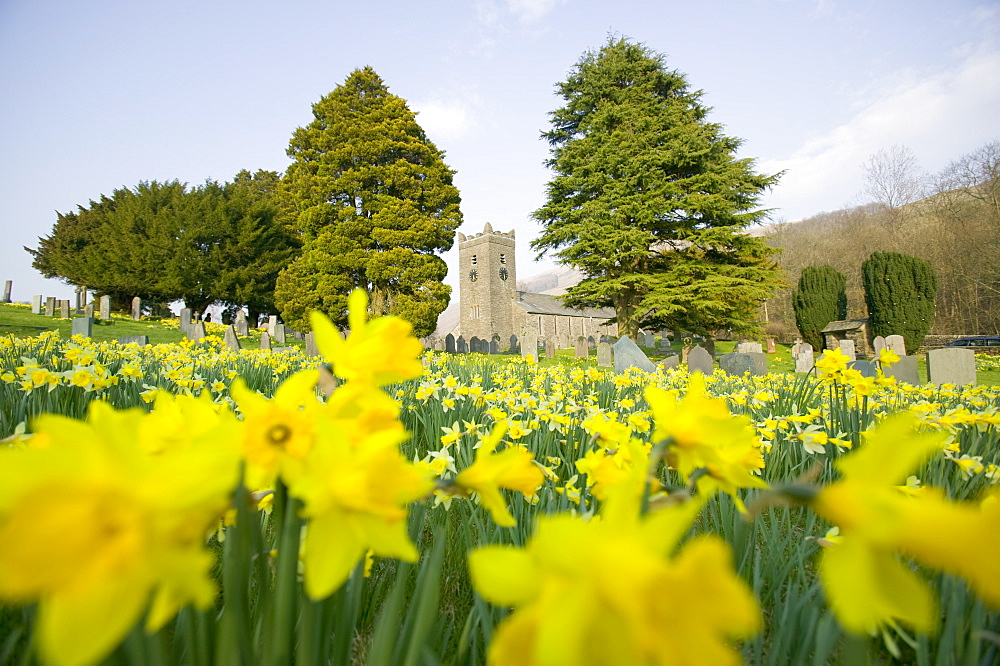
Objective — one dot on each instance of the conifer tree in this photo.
(374, 203)
(649, 200)
(899, 291)
(821, 297)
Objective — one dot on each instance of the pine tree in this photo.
(649, 201)
(374, 203)
(899, 291)
(821, 297)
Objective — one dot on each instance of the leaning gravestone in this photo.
(581, 349)
(804, 361)
(671, 362)
(847, 348)
(83, 326)
(141, 340)
(878, 344)
(6, 290)
(897, 344)
(240, 323)
(136, 308)
(699, 360)
(627, 354)
(604, 357)
(951, 365)
(903, 370)
(265, 340)
(64, 309)
(449, 343)
(461, 346)
(866, 368)
(36, 305)
(311, 348)
(197, 331)
(230, 339)
(105, 308)
(185, 321)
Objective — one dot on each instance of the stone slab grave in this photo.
(83, 326)
(700, 360)
(951, 365)
(904, 370)
(804, 361)
(897, 344)
(7, 286)
(847, 348)
(36, 305)
(741, 363)
(240, 323)
(105, 308)
(866, 368)
(627, 354)
(50, 306)
(265, 340)
(230, 339)
(136, 308)
(311, 348)
(141, 340)
(604, 355)
(671, 362)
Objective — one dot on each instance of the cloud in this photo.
(530, 11)
(938, 116)
(447, 119)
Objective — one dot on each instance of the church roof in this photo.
(534, 303)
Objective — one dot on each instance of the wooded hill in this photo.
(956, 228)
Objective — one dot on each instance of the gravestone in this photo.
(866, 368)
(282, 349)
(604, 357)
(699, 360)
(105, 307)
(896, 344)
(627, 354)
(515, 345)
(185, 320)
(951, 365)
(449, 343)
(796, 349)
(240, 323)
(50, 306)
(647, 340)
(196, 331)
(272, 323)
(581, 349)
(550, 347)
(493, 346)
(278, 333)
(529, 345)
(6, 290)
(709, 346)
(847, 348)
(665, 348)
(878, 344)
(311, 348)
(136, 308)
(904, 370)
(83, 326)
(772, 348)
(461, 346)
(591, 342)
(736, 363)
(671, 362)
(805, 362)
(64, 309)
(80, 298)
(141, 340)
(474, 344)
(296, 335)
(230, 339)
(88, 310)
(265, 340)
(36, 305)
(438, 344)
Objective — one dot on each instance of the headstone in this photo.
(627, 354)
(279, 333)
(896, 344)
(438, 344)
(240, 323)
(749, 348)
(88, 310)
(665, 348)
(64, 309)
(493, 346)
(671, 362)
(866, 368)
(105, 307)
(272, 323)
(736, 363)
(36, 305)
(311, 348)
(6, 290)
(710, 346)
(904, 370)
(951, 365)
(699, 360)
(141, 340)
(805, 362)
(136, 308)
(646, 339)
(230, 339)
(474, 345)
(581, 349)
(79, 300)
(185, 322)
(604, 357)
(772, 348)
(529, 345)
(461, 346)
(591, 342)
(83, 326)
(196, 331)
(515, 345)
(449, 343)
(878, 344)
(265, 340)
(550, 347)
(50, 306)
(847, 348)
(796, 349)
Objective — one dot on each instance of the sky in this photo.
(101, 94)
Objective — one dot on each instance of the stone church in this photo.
(491, 305)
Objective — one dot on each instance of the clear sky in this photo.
(100, 94)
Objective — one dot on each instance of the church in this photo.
(491, 305)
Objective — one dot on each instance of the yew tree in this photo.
(374, 203)
(649, 200)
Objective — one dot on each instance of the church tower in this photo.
(487, 284)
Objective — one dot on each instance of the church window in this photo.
(475, 312)
(503, 258)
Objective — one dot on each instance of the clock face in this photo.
(473, 275)
(503, 273)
